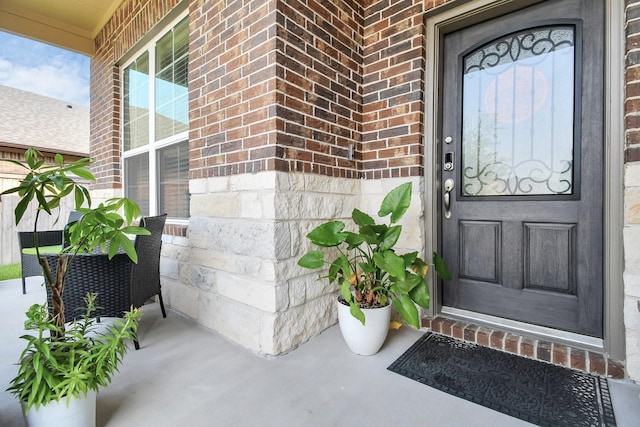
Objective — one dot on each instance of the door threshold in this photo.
(535, 331)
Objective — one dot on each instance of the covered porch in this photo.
(185, 374)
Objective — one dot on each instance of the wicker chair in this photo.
(145, 275)
(95, 272)
(119, 283)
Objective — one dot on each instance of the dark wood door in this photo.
(522, 145)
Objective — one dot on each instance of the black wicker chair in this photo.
(95, 272)
(145, 275)
(26, 240)
(119, 282)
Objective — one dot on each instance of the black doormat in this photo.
(537, 392)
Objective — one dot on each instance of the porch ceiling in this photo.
(69, 24)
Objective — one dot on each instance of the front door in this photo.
(522, 166)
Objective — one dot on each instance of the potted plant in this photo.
(61, 366)
(370, 273)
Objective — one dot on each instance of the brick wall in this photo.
(274, 89)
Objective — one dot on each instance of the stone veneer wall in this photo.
(237, 272)
(631, 231)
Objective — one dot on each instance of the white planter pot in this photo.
(80, 413)
(364, 339)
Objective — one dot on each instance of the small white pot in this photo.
(80, 413)
(364, 339)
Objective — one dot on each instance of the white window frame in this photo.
(153, 146)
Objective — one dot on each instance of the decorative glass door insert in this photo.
(518, 115)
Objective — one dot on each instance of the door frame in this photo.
(458, 14)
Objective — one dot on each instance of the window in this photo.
(156, 124)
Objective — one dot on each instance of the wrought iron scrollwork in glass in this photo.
(518, 114)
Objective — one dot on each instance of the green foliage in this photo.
(367, 267)
(10, 271)
(58, 362)
(69, 366)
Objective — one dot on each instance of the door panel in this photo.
(523, 106)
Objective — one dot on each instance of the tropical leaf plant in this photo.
(367, 268)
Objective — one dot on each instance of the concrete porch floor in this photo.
(185, 375)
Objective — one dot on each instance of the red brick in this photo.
(543, 351)
(436, 324)
(482, 336)
(458, 330)
(597, 364)
(527, 347)
(470, 333)
(615, 369)
(497, 340)
(447, 327)
(559, 354)
(511, 343)
(578, 359)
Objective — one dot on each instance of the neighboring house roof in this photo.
(51, 125)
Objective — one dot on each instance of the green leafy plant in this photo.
(56, 365)
(367, 268)
(64, 364)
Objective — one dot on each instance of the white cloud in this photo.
(55, 73)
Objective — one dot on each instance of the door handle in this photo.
(448, 186)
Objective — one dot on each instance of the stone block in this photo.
(300, 323)
(633, 355)
(251, 182)
(203, 278)
(237, 322)
(632, 174)
(215, 205)
(181, 298)
(631, 238)
(250, 205)
(169, 267)
(282, 240)
(631, 285)
(632, 314)
(251, 292)
(197, 186)
(297, 292)
(632, 205)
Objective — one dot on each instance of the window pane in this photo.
(136, 103)
(173, 180)
(136, 172)
(172, 98)
(518, 115)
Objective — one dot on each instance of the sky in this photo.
(44, 69)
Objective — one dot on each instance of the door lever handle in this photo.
(448, 187)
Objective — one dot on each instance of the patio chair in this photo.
(119, 282)
(145, 275)
(50, 242)
(95, 272)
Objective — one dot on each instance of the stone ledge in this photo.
(544, 351)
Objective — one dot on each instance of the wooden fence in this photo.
(9, 248)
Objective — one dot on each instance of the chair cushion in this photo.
(55, 249)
